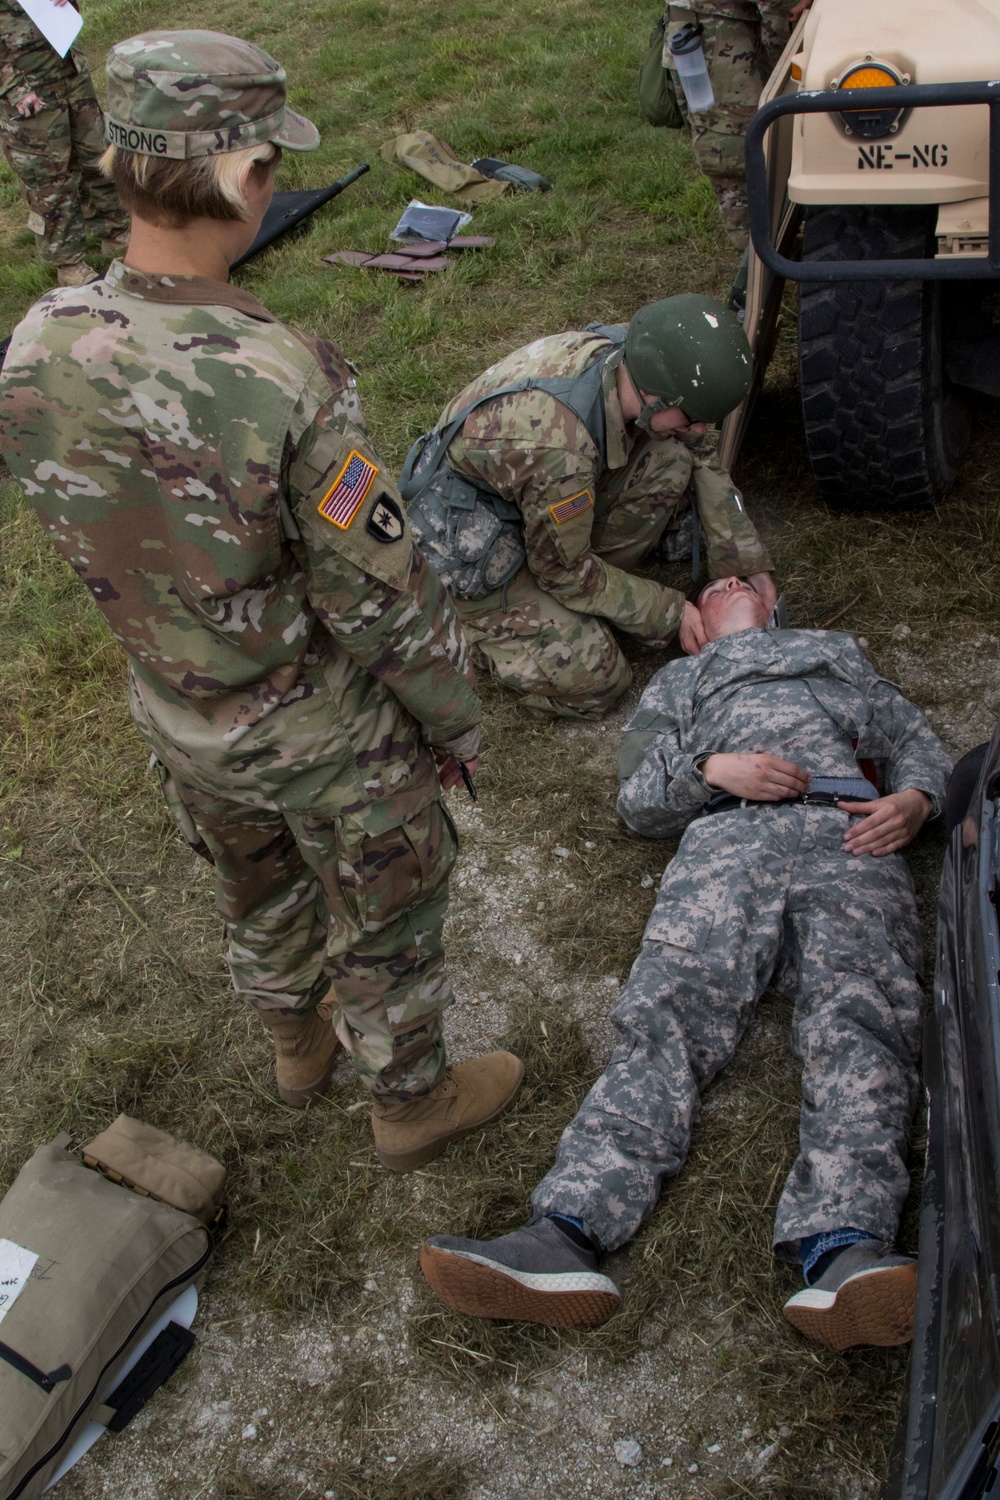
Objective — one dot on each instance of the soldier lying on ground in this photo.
(750, 746)
(295, 666)
(547, 496)
(53, 136)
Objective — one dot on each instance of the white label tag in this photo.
(16, 1265)
(59, 24)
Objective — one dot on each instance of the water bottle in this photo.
(689, 60)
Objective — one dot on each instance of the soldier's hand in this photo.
(30, 105)
(450, 772)
(887, 824)
(691, 632)
(755, 775)
(797, 10)
(763, 584)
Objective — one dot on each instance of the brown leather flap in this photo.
(151, 1161)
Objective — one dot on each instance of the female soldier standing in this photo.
(295, 666)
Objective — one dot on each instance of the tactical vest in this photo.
(472, 537)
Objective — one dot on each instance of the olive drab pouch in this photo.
(473, 537)
(657, 95)
(96, 1249)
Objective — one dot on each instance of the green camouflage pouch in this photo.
(96, 1249)
(657, 98)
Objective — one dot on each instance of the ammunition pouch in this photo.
(472, 537)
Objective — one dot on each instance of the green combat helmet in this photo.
(691, 352)
(199, 93)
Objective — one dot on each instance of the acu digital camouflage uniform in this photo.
(547, 634)
(743, 42)
(206, 472)
(54, 152)
(758, 895)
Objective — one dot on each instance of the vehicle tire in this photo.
(884, 429)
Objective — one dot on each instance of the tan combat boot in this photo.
(411, 1132)
(78, 274)
(305, 1053)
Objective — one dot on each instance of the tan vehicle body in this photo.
(930, 156)
(936, 155)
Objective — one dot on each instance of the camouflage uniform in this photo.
(55, 152)
(206, 472)
(742, 42)
(547, 634)
(758, 895)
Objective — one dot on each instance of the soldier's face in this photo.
(730, 604)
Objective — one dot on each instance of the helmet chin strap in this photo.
(648, 411)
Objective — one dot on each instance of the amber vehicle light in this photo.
(871, 124)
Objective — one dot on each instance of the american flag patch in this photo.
(574, 506)
(341, 501)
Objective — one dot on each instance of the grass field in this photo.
(115, 995)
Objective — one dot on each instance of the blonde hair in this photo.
(170, 193)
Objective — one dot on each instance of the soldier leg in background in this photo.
(563, 664)
(742, 42)
(55, 153)
(101, 209)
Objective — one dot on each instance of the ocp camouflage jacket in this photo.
(207, 473)
(586, 525)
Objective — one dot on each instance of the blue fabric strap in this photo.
(815, 1246)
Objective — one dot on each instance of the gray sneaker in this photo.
(536, 1274)
(867, 1295)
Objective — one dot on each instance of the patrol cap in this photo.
(198, 93)
(691, 352)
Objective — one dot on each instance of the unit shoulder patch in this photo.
(574, 505)
(385, 521)
(342, 500)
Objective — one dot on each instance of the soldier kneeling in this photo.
(554, 473)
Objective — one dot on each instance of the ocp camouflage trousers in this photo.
(305, 908)
(563, 664)
(742, 43)
(756, 896)
(55, 155)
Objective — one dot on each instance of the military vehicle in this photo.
(869, 167)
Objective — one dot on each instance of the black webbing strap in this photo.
(154, 1369)
(48, 1382)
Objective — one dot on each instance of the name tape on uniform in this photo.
(574, 506)
(340, 503)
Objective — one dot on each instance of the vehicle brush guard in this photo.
(833, 102)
